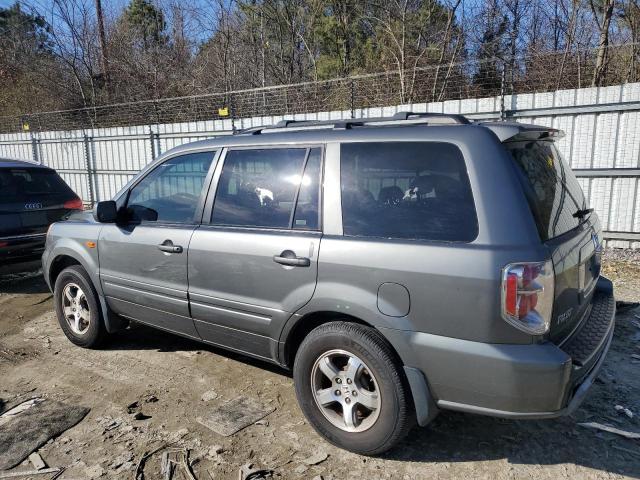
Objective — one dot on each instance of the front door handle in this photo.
(169, 247)
(290, 259)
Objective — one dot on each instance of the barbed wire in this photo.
(537, 72)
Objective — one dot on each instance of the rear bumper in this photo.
(21, 248)
(512, 381)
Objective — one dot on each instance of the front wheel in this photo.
(77, 308)
(352, 389)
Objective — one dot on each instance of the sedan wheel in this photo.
(351, 387)
(76, 309)
(345, 391)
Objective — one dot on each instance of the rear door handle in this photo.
(290, 259)
(169, 247)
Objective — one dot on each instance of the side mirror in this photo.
(105, 212)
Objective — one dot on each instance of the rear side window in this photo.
(551, 188)
(260, 188)
(406, 190)
(21, 184)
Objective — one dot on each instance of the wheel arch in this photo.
(297, 329)
(423, 402)
(65, 257)
(58, 264)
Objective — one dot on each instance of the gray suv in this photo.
(399, 266)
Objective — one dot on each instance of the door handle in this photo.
(169, 247)
(290, 259)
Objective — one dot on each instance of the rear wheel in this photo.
(352, 389)
(77, 308)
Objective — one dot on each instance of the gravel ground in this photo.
(175, 381)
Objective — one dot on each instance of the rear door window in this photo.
(406, 190)
(551, 188)
(260, 188)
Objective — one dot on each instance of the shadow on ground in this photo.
(142, 337)
(457, 437)
(28, 281)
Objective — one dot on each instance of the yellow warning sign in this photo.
(25, 126)
(223, 112)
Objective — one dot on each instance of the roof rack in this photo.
(400, 118)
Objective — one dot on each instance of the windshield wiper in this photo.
(583, 213)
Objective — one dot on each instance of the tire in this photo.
(89, 331)
(325, 349)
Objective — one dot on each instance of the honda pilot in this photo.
(398, 266)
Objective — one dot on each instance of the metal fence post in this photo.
(233, 113)
(503, 113)
(89, 167)
(35, 149)
(153, 144)
(353, 99)
(156, 136)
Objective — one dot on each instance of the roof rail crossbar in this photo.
(456, 118)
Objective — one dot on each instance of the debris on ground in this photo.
(33, 426)
(247, 472)
(31, 473)
(316, 458)
(18, 409)
(134, 409)
(624, 410)
(209, 395)
(610, 429)
(234, 416)
(36, 461)
(300, 469)
(141, 416)
(95, 471)
(215, 450)
(173, 459)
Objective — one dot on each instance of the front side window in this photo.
(260, 187)
(170, 192)
(406, 190)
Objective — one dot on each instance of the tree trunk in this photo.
(104, 57)
(603, 44)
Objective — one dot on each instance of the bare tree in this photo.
(602, 13)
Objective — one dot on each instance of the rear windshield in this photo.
(550, 186)
(19, 184)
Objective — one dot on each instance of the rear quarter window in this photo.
(551, 188)
(406, 190)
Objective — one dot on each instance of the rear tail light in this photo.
(75, 204)
(527, 296)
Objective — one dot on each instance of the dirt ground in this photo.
(176, 380)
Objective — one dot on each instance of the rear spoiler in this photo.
(514, 132)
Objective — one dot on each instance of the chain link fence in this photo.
(97, 150)
(448, 81)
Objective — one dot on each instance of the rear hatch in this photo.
(570, 229)
(31, 199)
